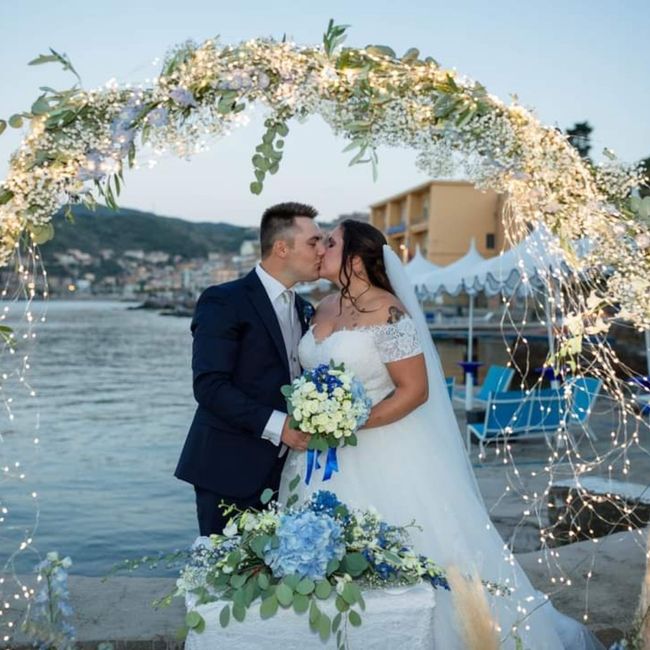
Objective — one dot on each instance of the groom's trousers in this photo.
(210, 514)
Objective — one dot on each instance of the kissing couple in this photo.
(256, 334)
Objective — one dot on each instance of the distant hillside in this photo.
(127, 229)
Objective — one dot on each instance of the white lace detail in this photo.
(397, 341)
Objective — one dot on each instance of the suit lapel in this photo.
(260, 300)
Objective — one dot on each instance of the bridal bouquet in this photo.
(300, 557)
(329, 403)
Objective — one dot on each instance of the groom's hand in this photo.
(294, 438)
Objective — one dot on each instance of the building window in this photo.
(489, 241)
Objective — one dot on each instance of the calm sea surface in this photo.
(113, 404)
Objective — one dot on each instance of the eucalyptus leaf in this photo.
(224, 616)
(15, 121)
(292, 581)
(193, 619)
(3, 126)
(239, 612)
(267, 495)
(341, 604)
(314, 613)
(381, 50)
(336, 622)
(258, 545)
(269, 607)
(282, 129)
(332, 566)
(233, 558)
(354, 618)
(6, 196)
(305, 586)
(324, 627)
(40, 106)
(354, 564)
(323, 589)
(238, 580)
(284, 594)
(300, 603)
(411, 54)
(43, 58)
(42, 233)
(293, 484)
(292, 500)
(348, 594)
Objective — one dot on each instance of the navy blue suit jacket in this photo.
(239, 363)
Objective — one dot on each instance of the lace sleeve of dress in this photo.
(397, 341)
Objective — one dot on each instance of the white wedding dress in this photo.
(416, 469)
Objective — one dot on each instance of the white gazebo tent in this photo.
(532, 263)
(419, 267)
(445, 280)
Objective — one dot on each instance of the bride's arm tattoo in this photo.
(395, 314)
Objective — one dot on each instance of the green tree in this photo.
(580, 138)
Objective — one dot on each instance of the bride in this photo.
(411, 463)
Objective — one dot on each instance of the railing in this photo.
(393, 230)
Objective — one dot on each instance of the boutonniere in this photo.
(308, 313)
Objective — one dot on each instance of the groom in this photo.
(246, 336)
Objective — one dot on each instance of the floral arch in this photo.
(80, 144)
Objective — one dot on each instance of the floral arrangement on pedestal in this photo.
(299, 556)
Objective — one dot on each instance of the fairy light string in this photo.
(79, 144)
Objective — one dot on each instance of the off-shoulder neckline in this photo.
(361, 328)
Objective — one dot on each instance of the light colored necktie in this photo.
(288, 325)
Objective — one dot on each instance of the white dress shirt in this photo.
(284, 305)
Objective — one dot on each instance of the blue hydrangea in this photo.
(308, 541)
(91, 169)
(158, 117)
(122, 131)
(324, 501)
(183, 97)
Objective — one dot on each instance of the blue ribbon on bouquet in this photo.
(313, 458)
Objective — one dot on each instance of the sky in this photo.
(570, 61)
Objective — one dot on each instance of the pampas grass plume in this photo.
(475, 622)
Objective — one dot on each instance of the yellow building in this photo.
(441, 217)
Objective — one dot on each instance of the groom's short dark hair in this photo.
(279, 218)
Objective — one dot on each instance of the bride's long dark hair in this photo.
(365, 241)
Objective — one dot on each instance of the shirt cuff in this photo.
(273, 429)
